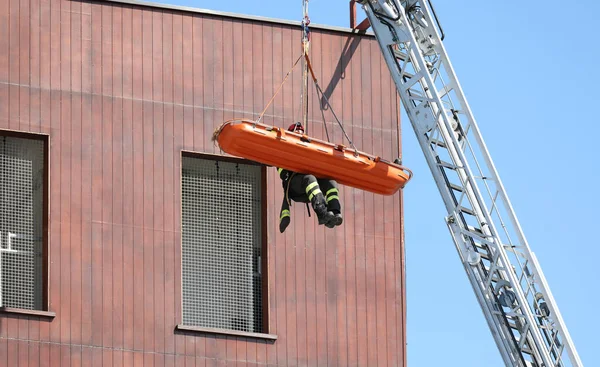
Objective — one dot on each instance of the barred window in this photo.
(22, 221)
(222, 244)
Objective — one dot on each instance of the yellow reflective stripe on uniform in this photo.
(284, 213)
(332, 191)
(312, 194)
(332, 197)
(309, 187)
(280, 171)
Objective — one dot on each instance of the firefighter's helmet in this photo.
(296, 127)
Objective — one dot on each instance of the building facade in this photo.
(129, 239)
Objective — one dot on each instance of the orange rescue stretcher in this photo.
(277, 147)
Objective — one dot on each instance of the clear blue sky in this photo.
(529, 73)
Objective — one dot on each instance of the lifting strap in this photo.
(305, 48)
(319, 90)
(277, 91)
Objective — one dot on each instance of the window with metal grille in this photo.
(22, 219)
(222, 244)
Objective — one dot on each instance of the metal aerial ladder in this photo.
(505, 274)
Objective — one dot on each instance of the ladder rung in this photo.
(476, 230)
(456, 187)
(399, 55)
(466, 211)
(439, 143)
(528, 350)
(511, 323)
(483, 253)
(480, 245)
(447, 165)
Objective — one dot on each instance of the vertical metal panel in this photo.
(75, 286)
(107, 285)
(128, 283)
(96, 309)
(273, 210)
(125, 89)
(320, 262)
(13, 39)
(19, 353)
(96, 204)
(34, 355)
(117, 176)
(4, 40)
(331, 261)
(64, 177)
(312, 242)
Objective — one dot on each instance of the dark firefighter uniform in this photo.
(322, 194)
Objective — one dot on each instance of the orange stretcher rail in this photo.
(278, 147)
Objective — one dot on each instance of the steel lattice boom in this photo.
(506, 277)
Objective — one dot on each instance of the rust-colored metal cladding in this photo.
(121, 90)
(274, 146)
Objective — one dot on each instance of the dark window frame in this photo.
(45, 139)
(264, 251)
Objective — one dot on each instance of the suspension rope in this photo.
(323, 115)
(304, 94)
(276, 92)
(336, 118)
(305, 48)
(328, 104)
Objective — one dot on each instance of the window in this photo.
(23, 189)
(223, 244)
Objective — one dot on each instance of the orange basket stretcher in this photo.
(277, 147)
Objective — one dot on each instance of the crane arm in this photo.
(505, 275)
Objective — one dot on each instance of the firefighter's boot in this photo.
(333, 205)
(335, 220)
(323, 215)
(317, 199)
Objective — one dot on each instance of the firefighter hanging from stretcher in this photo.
(322, 193)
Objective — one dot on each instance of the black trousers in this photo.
(305, 188)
